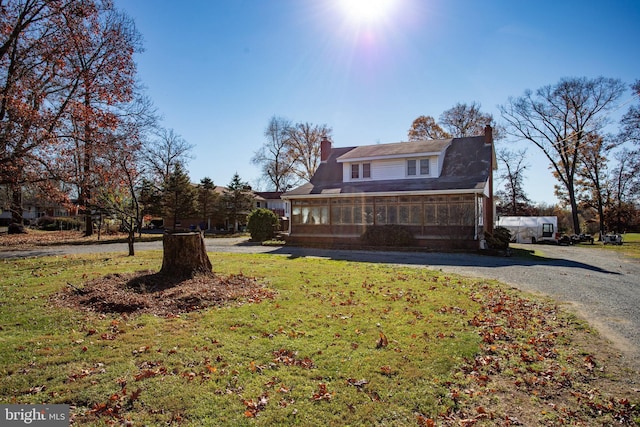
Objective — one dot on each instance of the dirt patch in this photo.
(154, 293)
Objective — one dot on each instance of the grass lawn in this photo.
(341, 343)
(630, 245)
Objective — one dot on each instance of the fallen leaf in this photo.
(382, 341)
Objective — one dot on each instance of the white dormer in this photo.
(401, 160)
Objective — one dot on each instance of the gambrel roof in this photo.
(466, 168)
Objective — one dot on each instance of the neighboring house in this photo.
(261, 199)
(442, 190)
(272, 200)
(35, 208)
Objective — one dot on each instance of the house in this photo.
(272, 200)
(441, 190)
(36, 207)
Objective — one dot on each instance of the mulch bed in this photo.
(154, 293)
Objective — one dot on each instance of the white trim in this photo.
(391, 156)
(384, 194)
(485, 190)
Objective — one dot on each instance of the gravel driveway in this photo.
(601, 286)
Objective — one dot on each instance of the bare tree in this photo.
(514, 163)
(121, 191)
(592, 175)
(557, 119)
(425, 127)
(291, 153)
(164, 152)
(631, 120)
(304, 148)
(273, 157)
(466, 120)
(624, 184)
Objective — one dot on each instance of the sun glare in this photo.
(366, 11)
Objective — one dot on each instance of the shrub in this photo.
(48, 223)
(44, 221)
(15, 228)
(387, 235)
(262, 224)
(499, 239)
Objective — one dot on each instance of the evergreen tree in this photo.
(179, 196)
(206, 199)
(238, 200)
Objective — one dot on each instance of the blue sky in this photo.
(219, 70)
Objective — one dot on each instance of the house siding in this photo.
(382, 170)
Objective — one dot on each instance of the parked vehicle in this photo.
(531, 229)
(612, 239)
(580, 238)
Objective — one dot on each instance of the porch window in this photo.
(351, 211)
(312, 214)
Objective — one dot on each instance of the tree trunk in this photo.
(574, 207)
(185, 255)
(16, 205)
(131, 237)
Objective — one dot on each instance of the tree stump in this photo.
(185, 255)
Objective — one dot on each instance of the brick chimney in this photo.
(325, 149)
(488, 134)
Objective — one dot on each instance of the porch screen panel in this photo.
(368, 213)
(347, 214)
(392, 214)
(442, 213)
(381, 214)
(336, 217)
(386, 210)
(430, 214)
(357, 214)
(404, 214)
(436, 210)
(352, 211)
(296, 214)
(461, 210)
(410, 210)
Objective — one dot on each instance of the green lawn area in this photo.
(341, 343)
(630, 245)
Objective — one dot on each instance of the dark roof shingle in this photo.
(466, 167)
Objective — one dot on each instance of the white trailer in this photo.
(531, 229)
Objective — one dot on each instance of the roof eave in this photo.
(386, 193)
(393, 156)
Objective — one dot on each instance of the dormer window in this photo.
(355, 171)
(366, 170)
(360, 170)
(418, 167)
